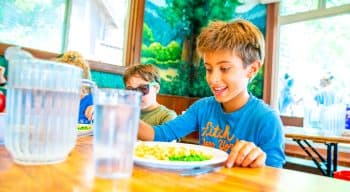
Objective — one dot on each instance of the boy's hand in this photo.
(246, 154)
(89, 112)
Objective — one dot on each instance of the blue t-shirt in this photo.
(85, 102)
(254, 122)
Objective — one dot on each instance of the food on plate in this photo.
(170, 152)
(84, 127)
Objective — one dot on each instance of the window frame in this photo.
(133, 42)
(273, 23)
(271, 79)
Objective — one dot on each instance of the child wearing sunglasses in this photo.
(145, 79)
(232, 119)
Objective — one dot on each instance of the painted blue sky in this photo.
(160, 3)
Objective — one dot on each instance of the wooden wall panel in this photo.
(94, 65)
(176, 103)
(270, 51)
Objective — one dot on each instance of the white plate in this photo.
(219, 157)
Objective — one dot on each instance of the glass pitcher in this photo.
(42, 110)
(326, 111)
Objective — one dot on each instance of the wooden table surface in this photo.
(76, 174)
(315, 135)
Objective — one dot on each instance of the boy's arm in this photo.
(146, 131)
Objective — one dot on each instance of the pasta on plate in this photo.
(170, 152)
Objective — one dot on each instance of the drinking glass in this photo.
(116, 122)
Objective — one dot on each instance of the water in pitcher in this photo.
(115, 135)
(42, 108)
(41, 124)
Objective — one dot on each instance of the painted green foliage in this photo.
(188, 17)
(166, 57)
(191, 15)
(162, 56)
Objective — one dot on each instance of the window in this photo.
(38, 24)
(95, 28)
(314, 44)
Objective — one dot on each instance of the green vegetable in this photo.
(192, 157)
(84, 127)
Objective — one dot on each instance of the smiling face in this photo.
(149, 101)
(227, 78)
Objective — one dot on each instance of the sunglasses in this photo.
(144, 89)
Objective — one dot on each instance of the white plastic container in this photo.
(42, 110)
(326, 112)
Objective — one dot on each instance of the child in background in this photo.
(286, 98)
(146, 79)
(232, 120)
(86, 104)
(326, 93)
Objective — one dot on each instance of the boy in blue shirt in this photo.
(232, 120)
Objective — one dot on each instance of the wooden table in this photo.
(302, 136)
(76, 174)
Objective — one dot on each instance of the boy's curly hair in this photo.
(147, 72)
(240, 36)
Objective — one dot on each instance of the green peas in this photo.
(191, 157)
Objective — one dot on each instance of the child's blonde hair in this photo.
(76, 59)
(147, 72)
(240, 36)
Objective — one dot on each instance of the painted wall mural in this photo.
(170, 30)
